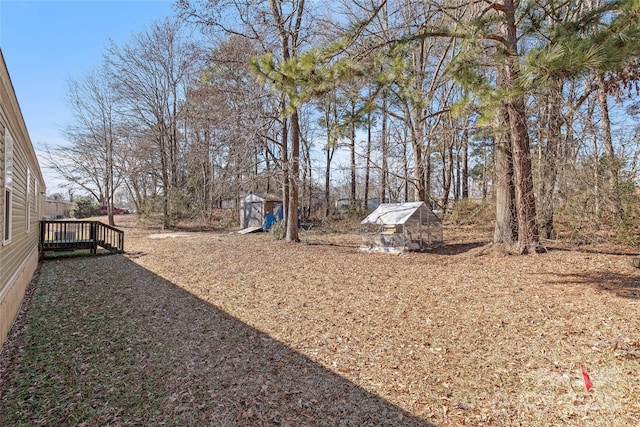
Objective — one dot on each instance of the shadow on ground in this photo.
(622, 285)
(106, 342)
(457, 248)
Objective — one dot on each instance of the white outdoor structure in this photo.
(398, 227)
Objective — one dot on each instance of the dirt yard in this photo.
(206, 328)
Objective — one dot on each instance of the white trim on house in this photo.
(27, 208)
(8, 158)
(7, 226)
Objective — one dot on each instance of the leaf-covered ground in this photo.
(223, 329)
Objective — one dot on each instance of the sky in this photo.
(47, 42)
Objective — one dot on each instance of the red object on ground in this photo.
(587, 379)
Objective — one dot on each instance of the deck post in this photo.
(43, 228)
(93, 237)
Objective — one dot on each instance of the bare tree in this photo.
(229, 122)
(89, 159)
(150, 74)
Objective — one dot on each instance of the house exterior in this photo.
(22, 191)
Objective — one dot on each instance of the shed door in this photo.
(253, 215)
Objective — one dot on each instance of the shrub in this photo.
(466, 212)
(277, 230)
(84, 207)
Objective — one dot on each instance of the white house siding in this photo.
(18, 255)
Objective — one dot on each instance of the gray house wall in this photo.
(19, 246)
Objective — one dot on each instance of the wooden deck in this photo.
(77, 235)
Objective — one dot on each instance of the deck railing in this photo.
(74, 235)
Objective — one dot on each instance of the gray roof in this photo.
(262, 197)
(400, 213)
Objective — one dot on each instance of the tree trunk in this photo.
(414, 120)
(286, 179)
(327, 181)
(528, 238)
(465, 161)
(549, 152)
(485, 173)
(384, 148)
(291, 176)
(308, 180)
(419, 173)
(166, 183)
(368, 162)
(110, 190)
(506, 230)
(447, 170)
(405, 164)
(612, 164)
(352, 149)
(457, 188)
(331, 147)
(292, 211)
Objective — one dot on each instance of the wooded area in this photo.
(530, 107)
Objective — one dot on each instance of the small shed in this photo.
(260, 210)
(400, 227)
(57, 209)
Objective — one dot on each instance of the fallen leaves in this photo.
(243, 330)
